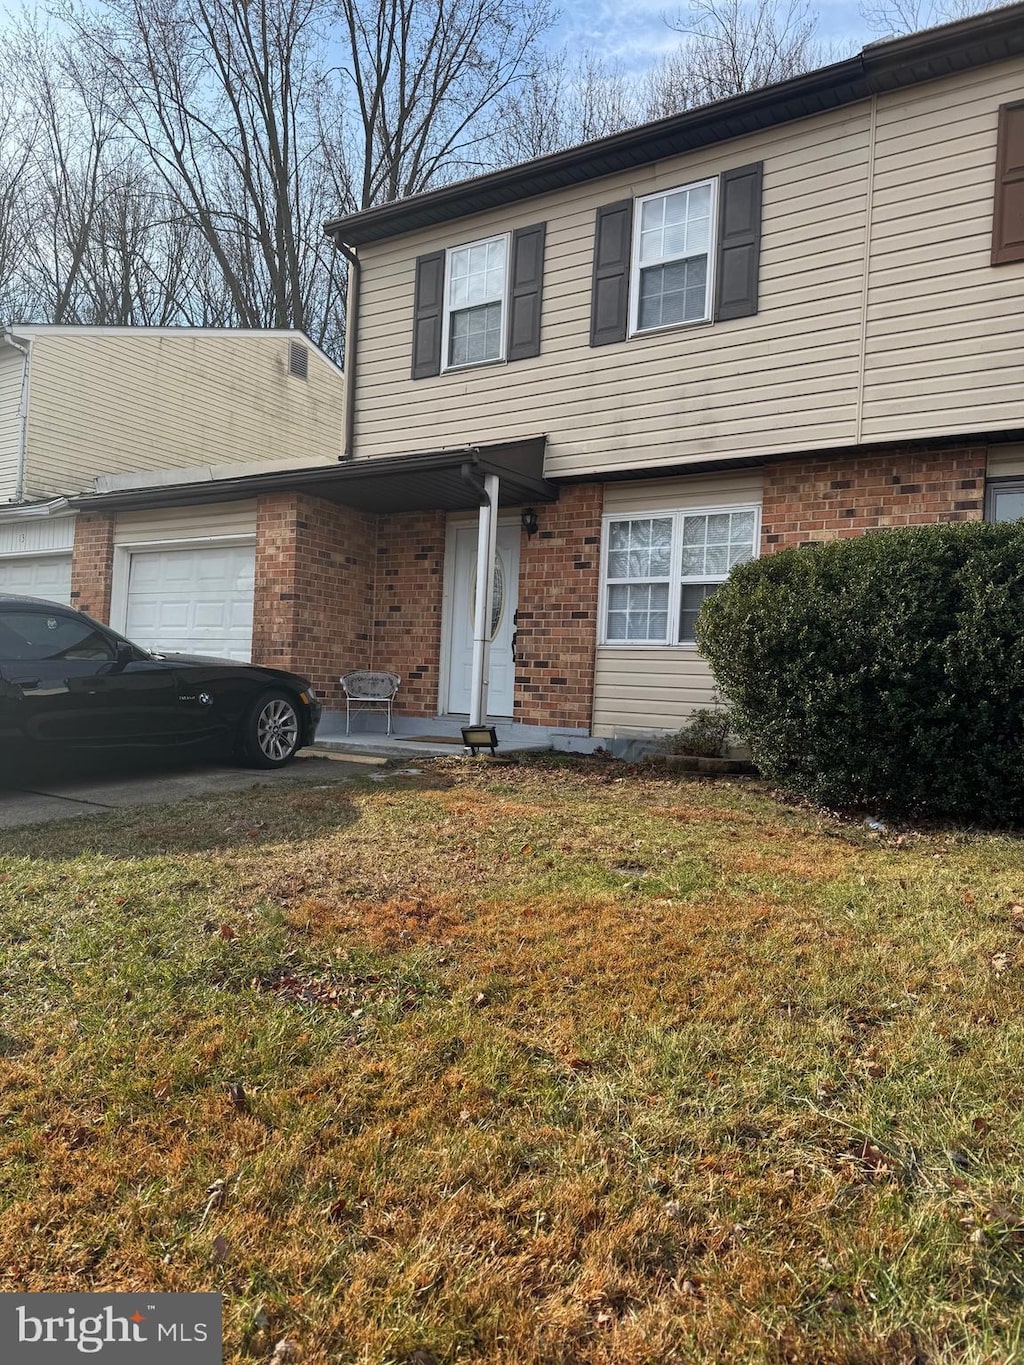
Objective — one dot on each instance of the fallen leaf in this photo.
(285, 1350)
(1000, 962)
(239, 1099)
(226, 932)
(162, 1090)
(220, 1250)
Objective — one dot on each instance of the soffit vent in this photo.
(298, 360)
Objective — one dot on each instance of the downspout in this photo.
(25, 347)
(351, 348)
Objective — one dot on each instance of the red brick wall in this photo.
(313, 603)
(92, 564)
(824, 499)
(559, 575)
(407, 607)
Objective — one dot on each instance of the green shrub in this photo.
(885, 670)
(705, 734)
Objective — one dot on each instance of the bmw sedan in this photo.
(69, 686)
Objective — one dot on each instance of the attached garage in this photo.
(35, 557)
(192, 601)
(183, 579)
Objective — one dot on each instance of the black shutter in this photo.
(427, 312)
(739, 242)
(609, 303)
(1008, 219)
(526, 291)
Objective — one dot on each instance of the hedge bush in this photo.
(884, 671)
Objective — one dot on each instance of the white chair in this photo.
(365, 690)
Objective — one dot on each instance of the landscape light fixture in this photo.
(476, 737)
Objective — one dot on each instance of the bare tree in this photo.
(892, 17)
(564, 101)
(731, 46)
(16, 196)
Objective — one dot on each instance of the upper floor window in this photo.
(672, 274)
(659, 568)
(1005, 500)
(480, 303)
(690, 254)
(476, 287)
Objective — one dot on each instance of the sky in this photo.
(634, 32)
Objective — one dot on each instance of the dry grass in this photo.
(540, 1064)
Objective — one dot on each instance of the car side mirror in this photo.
(125, 655)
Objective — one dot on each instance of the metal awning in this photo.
(445, 481)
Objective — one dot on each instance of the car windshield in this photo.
(43, 635)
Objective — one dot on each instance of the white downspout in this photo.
(25, 347)
(486, 547)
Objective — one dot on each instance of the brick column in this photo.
(92, 564)
(408, 605)
(313, 600)
(559, 577)
(832, 498)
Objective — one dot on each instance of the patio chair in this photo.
(365, 690)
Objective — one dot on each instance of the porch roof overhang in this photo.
(445, 481)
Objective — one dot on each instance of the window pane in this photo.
(742, 531)
(676, 224)
(693, 597)
(475, 335)
(1007, 504)
(716, 559)
(641, 548)
(637, 611)
(673, 293)
(695, 530)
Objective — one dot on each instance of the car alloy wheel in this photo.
(277, 729)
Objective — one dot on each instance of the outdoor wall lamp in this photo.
(529, 521)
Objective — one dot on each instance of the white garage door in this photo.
(37, 576)
(192, 601)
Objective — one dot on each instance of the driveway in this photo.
(32, 799)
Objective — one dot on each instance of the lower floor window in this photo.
(1005, 500)
(659, 569)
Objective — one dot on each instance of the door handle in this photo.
(515, 637)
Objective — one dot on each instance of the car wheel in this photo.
(270, 734)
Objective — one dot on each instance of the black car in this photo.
(71, 686)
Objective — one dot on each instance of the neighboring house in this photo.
(109, 407)
(788, 316)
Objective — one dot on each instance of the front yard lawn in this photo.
(539, 1063)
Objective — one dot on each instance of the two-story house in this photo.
(118, 407)
(623, 368)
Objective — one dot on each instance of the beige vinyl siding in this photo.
(12, 368)
(664, 398)
(109, 401)
(186, 523)
(868, 332)
(640, 690)
(944, 328)
(1006, 462)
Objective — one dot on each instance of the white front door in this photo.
(502, 668)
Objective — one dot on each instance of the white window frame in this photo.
(634, 268)
(676, 580)
(446, 309)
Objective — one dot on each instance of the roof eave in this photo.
(879, 67)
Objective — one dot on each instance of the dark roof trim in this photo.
(879, 67)
(446, 480)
